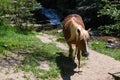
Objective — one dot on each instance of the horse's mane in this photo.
(77, 30)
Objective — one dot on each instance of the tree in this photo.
(20, 12)
(23, 13)
(112, 10)
(86, 8)
(5, 8)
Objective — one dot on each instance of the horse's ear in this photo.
(89, 29)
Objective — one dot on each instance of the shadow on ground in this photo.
(65, 65)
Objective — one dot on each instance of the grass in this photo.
(10, 39)
(32, 49)
(59, 35)
(97, 45)
(45, 52)
(100, 46)
(9, 79)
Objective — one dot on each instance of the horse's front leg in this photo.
(70, 51)
(78, 57)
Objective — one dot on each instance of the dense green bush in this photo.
(112, 10)
(4, 9)
(18, 12)
(23, 15)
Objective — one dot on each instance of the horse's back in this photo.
(78, 19)
(67, 22)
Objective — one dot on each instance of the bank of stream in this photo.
(110, 41)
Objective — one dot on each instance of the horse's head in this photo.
(83, 41)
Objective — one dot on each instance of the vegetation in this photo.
(86, 8)
(20, 39)
(112, 10)
(104, 14)
(18, 12)
(100, 46)
(59, 35)
(32, 49)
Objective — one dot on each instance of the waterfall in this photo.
(52, 14)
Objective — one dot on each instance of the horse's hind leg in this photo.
(70, 51)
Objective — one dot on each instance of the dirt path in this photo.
(95, 68)
(10, 71)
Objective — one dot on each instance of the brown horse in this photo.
(75, 33)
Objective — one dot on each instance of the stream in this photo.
(111, 41)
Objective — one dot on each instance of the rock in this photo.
(5, 45)
(112, 40)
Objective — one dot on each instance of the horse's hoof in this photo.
(79, 70)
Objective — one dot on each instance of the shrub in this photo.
(111, 10)
(19, 12)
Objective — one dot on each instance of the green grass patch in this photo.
(50, 32)
(59, 35)
(45, 52)
(54, 32)
(100, 46)
(10, 39)
(32, 49)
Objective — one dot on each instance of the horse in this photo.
(75, 33)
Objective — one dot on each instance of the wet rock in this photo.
(111, 41)
(112, 44)
(5, 45)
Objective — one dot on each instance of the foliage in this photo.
(111, 10)
(23, 15)
(100, 46)
(19, 12)
(4, 9)
(86, 8)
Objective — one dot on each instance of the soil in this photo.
(96, 67)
